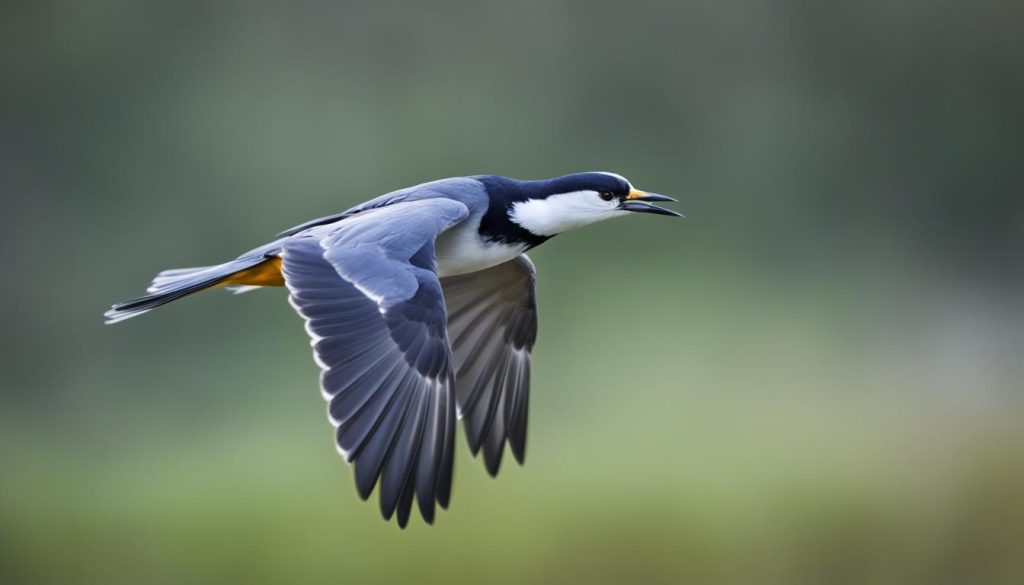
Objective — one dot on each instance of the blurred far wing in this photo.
(492, 324)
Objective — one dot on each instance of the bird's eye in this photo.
(606, 195)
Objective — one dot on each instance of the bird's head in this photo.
(557, 205)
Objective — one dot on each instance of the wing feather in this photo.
(492, 325)
(370, 295)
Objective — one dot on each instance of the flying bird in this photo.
(420, 307)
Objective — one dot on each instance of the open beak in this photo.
(638, 201)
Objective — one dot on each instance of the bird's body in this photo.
(417, 302)
(461, 251)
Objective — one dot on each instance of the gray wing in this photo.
(382, 201)
(453, 188)
(492, 324)
(369, 292)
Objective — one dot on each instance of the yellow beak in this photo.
(638, 195)
(639, 201)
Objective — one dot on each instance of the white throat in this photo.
(563, 212)
(461, 250)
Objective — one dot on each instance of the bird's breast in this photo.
(461, 250)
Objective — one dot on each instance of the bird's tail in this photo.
(241, 275)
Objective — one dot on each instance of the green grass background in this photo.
(814, 378)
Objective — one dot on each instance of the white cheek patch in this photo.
(563, 212)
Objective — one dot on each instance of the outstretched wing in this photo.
(492, 324)
(368, 290)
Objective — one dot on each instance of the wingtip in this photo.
(519, 455)
(475, 442)
(428, 519)
(444, 497)
(493, 468)
(364, 491)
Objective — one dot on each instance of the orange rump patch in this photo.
(266, 273)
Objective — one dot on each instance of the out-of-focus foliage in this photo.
(815, 378)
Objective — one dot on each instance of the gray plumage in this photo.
(492, 326)
(420, 304)
(366, 283)
(369, 292)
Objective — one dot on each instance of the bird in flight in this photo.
(420, 306)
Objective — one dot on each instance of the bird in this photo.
(421, 309)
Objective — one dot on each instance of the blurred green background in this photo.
(815, 378)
